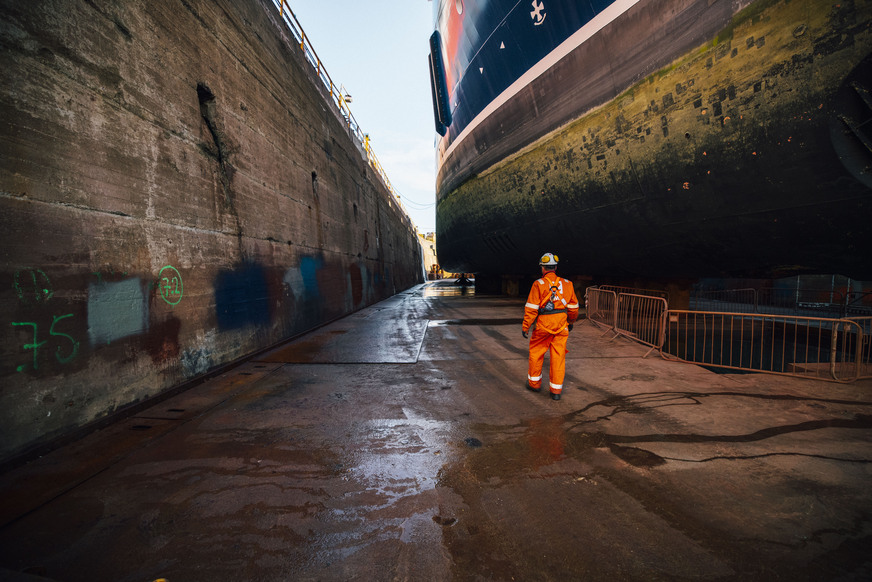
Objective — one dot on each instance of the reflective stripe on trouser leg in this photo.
(557, 369)
(538, 346)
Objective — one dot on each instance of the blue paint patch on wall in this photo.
(303, 280)
(116, 310)
(309, 267)
(242, 298)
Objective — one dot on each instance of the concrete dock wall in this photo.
(177, 191)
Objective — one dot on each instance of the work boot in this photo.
(527, 384)
(555, 396)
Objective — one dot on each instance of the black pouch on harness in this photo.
(550, 305)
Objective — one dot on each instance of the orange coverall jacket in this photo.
(551, 329)
(540, 294)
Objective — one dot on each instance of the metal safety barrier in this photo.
(642, 318)
(638, 317)
(834, 349)
(810, 347)
(339, 96)
(600, 306)
(833, 303)
(865, 367)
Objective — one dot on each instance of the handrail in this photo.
(601, 307)
(784, 301)
(642, 318)
(831, 349)
(865, 324)
(639, 317)
(336, 93)
(787, 345)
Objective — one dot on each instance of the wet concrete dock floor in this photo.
(399, 443)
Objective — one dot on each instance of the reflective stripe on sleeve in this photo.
(572, 306)
(531, 306)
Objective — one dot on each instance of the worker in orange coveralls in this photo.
(551, 310)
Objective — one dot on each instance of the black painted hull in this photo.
(680, 141)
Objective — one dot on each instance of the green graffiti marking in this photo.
(36, 344)
(75, 344)
(32, 286)
(33, 346)
(171, 289)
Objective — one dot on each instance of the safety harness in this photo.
(548, 308)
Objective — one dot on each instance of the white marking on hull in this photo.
(580, 36)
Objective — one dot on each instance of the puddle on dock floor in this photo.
(476, 322)
(448, 289)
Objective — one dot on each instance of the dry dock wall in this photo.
(177, 191)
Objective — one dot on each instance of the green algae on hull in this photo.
(732, 140)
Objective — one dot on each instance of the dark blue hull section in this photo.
(657, 138)
(508, 43)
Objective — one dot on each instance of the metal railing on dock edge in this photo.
(339, 97)
(834, 349)
(832, 302)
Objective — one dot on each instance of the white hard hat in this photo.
(548, 260)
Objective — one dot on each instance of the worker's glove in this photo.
(570, 327)
(523, 333)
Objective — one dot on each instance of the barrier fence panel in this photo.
(642, 318)
(865, 358)
(827, 349)
(601, 307)
(830, 303)
(793, 345)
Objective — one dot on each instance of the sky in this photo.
(377, 50)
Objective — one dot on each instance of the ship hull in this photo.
(680, 140)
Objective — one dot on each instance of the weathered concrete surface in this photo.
(176, 191)
(399, 444)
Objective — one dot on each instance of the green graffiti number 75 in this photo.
(36, 344)
(75, 344)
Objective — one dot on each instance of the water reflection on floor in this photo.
(449, 288)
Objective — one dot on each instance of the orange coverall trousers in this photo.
(551, 330)
(540, 343)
